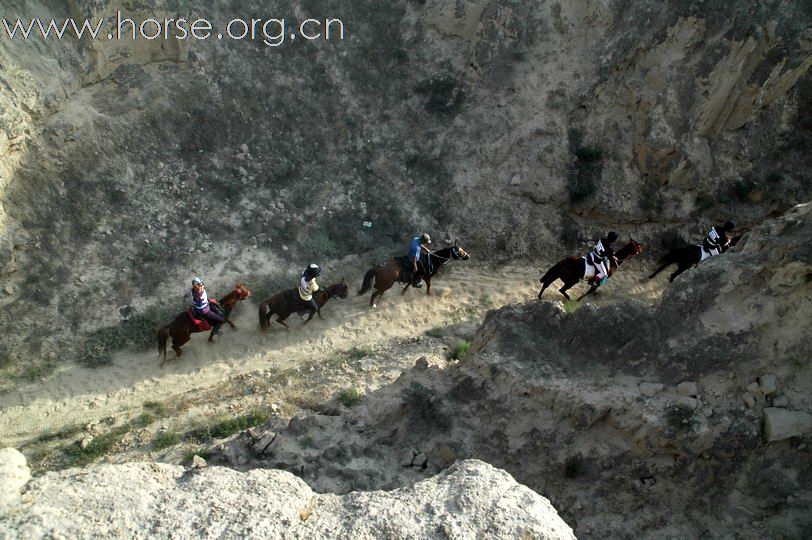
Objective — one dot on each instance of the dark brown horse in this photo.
(285, 303)
(392, 271)
(685, 257)
(182, 328)
(572, 269)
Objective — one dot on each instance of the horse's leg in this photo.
(591, 290)
(660, 269)
(405, 288)
(372, 298)
(428, 285)
(281, 320)
(563, 290)
(680, 270)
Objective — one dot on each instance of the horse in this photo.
(685, 257)
(284, 303)
(572, 269)
(182, 328)
(391, 271)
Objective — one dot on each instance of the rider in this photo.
(599, 256)
(308, 285)
(718, 238)
(417, 247)
(200, 303)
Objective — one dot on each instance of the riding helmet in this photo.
(425, 238)
(314, 269)
(612, 236)
(197, 281)
(729, 226)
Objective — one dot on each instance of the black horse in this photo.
(685, 257)
(397, 269)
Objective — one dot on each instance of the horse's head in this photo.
(242, 292)
(629, 250)
(338, 289)
(459, 254)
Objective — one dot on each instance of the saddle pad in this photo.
(705, 253)
(589, 269)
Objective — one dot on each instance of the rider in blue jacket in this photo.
(418, 250)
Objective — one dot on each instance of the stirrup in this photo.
(418, 285)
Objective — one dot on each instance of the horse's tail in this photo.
(163, 337)
(367, 282)
(263, 315)
(552, 273)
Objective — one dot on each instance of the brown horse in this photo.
(284, 303)
(572, 269)
(182, 328)
(392, 271)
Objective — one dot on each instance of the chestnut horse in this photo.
(572, 269)
(284, 303)
(685, 257)
(389, 272)
(182, 328)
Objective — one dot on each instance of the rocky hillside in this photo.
(469, 500)
(520, 126)
(688, 418)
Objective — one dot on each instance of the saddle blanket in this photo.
(589, 269)
(705, 253)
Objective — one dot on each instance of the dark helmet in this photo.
(314, 270)
(425, 238)
(612, 236)
(729, 226)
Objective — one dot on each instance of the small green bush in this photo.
(143, 420)
(165, 439)
(98, 446)
(202, 452)
(233, 425)
(435, 332)
(156, 408)
(349, 397)
(460, 349)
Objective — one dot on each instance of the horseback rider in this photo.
(600, 254)
(200, 303)
(418, 256)
(308, 285)
(718, 238)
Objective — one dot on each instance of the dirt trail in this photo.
(464, 292)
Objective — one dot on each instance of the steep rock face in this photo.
(142, 500)
(621, 414)
(522, 124)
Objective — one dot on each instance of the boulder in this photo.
(471, 499)
(687, 388)
(686, 402)
(14, 474)
(768, 384)
(780, 424)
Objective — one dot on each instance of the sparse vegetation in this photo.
(143, 420)
(155, 407)
(202, 452)
(435, 332)
(585, 169)
(165, 439)
(349, 397)
(81, 453)
(228, 426)
(460, 349)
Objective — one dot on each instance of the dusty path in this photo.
(463, 292)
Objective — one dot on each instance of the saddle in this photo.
(705, 254)
(297, 305)
(202, 324)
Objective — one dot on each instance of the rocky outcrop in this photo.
(147, 500)
(515, 125)
(620, 413)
